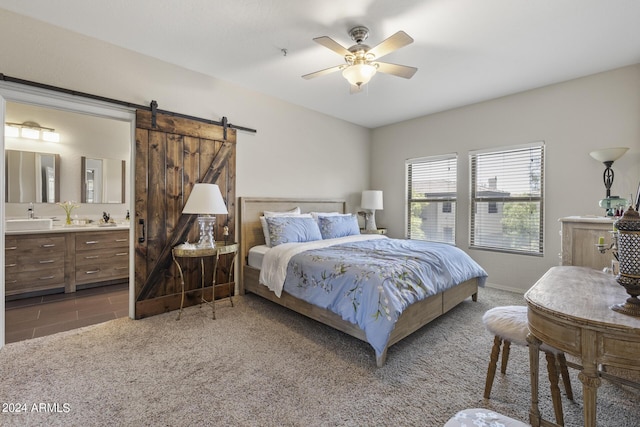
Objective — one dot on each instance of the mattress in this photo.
(256, 254)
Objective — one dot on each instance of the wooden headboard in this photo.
(251, 209)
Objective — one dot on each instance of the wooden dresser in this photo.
(61, 260)
(579, 238)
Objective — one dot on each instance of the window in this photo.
(431, 198)
(507, 199)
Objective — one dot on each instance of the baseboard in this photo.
(504, 288)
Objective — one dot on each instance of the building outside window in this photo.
(507, 188)
(431, 198)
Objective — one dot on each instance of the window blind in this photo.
(431, 198)
(507, 199)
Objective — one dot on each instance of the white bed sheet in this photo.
(256, 254)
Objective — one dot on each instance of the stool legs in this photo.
(506, 349)
(562, 362)
(556, 366)
(493, 362)
(555, 390)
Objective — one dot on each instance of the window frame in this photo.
(453, 200)
(474, 199)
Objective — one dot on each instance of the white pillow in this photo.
(294, 211)
(316, 215)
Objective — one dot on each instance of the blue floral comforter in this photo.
(370, 281)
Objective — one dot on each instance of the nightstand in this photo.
(378, 231)
(191, 251)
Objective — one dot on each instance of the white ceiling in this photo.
(466, 50)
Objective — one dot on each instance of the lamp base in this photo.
(206, 225)
(631, 307)
(612, 204)
(370, 220)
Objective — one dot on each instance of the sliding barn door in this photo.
(173, 154)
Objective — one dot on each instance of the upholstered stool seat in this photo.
(509, 324)
(482, 417)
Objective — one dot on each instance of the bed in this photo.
(411, 318)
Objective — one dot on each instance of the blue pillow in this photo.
(338, 226)
(287, 229)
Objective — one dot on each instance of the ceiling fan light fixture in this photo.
(359, 74)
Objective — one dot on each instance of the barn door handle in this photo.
(141, 239)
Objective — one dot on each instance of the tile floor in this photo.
(45, 315)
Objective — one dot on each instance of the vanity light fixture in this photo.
(30, 130)
(206, 201)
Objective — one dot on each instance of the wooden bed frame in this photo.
(412, 319)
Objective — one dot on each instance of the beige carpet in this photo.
(260, 364)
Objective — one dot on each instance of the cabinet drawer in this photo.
(101, 256)
(102, 240)
(10, 244)
(40, 262)
(100, 272)
(37, 245)
(29, 281)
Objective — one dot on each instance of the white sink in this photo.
(25, 224)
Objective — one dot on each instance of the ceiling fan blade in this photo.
(329, 43)
(396, 41)
(323, 72)
(396, 70)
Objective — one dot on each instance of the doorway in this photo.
(96, 111)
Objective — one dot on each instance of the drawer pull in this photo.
(11, 248)
(11, 281)
(48, 245)
(122, 254)
(11, 265)
(92, 257)
(46, 261)
(92, 272)
(46, 278)
(91, 242)
(121, 268)
(122, 240)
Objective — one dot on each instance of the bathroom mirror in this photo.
(32, 177)
(103, 180)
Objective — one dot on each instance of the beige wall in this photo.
(295, 153)
(573, 118)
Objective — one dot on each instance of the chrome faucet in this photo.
(30, 211)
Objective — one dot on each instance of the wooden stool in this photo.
(509, 325)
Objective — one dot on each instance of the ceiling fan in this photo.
(361, 61)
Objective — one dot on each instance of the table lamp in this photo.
(371, 201)
(206, 201)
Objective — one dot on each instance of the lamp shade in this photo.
(609, 154)
(371, 199)
(205, 199)
(359, 74)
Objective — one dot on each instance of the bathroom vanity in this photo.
(64, 259)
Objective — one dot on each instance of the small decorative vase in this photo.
(68, 218)
(629, 258)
